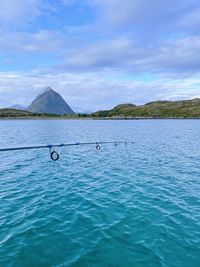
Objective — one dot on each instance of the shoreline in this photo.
(99, 118)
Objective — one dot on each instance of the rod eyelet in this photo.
(54, 155)
(98, 147)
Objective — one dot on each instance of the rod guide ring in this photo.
(54, 155)
(98, 147)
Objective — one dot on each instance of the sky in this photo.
(99, 53)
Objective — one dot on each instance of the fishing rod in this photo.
(54, 153)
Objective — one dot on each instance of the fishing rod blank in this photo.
(54, 155)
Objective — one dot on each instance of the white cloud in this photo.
(16, 13)
(129, 38)
(39, 41)
(139, 13)
(191, 21)
(101, 55)
(89, 91)
(180, 57)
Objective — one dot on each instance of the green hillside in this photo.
(11, 112)
(17, 113)
(157, 109)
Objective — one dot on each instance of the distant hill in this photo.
(157, 109)
(50, 102)
(154, 110)
(20, 107)
(11, 112)
(17, 113)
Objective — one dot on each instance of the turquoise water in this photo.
(136, 205)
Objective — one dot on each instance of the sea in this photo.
(130, 205)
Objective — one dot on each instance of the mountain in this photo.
(20, 107)
(50, 102)
(156, 109)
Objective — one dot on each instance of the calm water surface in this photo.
(136, 205)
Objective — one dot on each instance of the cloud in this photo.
(179, 56)
(41, 41)
(191, 22)
(142, 15)
(68, 2)
(101, 55)
(95, 61)
(15, 13)
(91, 92)
(171, 56)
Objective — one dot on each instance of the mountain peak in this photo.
(48, 89)
(50, 102)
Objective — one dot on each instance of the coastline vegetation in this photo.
(153, 110)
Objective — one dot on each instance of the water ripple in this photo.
(135, 205)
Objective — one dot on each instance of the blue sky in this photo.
(99, 53)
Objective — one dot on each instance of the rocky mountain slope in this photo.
(50, 102)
